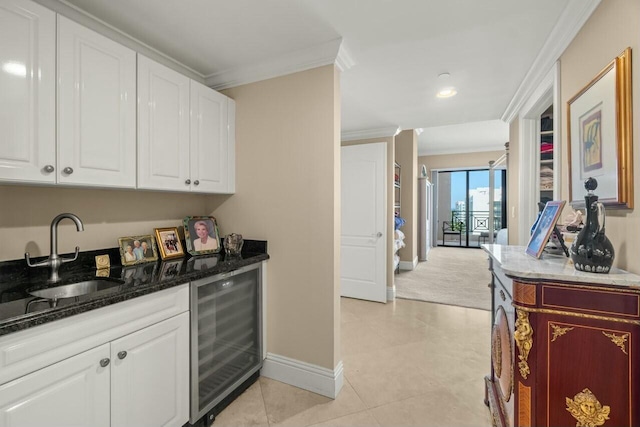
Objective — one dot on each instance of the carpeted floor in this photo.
(452, 276)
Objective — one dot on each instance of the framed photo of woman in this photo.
(201, 235)
(169, 243)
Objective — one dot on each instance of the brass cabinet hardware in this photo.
(619, 340)
(586, 408)
(558, 331)
(523, 336)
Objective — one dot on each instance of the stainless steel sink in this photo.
(75, 289)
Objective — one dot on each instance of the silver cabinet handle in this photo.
(188, 182)
(196, 182)
(122, 355)
(68, 170)
(49, 168)
(105, 362)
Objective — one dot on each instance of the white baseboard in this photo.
(408, 265)
(304, 375)
(391, 293)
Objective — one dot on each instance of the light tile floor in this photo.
(406, 363)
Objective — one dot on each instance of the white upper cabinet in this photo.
(183, 133)
(27, 92)
(163, 127)
(96, 109)
(210, 163)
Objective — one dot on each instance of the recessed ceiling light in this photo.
(447, 92)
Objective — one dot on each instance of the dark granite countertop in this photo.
(19, 310)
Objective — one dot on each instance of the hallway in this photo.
(406, 363)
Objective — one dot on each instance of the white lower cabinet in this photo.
(150, 376)
(71, 393)
(138, 380)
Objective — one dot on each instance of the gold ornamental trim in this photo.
(559, 331)
(586, 408)
(572, 314)
(619, 340)
(523, 336)
(524, 293)
(524, 405)
(496, 347)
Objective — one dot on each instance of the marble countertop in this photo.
(19, 310)
(516, 263)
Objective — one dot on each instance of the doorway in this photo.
(464, 206)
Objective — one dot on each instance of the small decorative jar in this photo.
(233, 244)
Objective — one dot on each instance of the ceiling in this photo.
(391, 53)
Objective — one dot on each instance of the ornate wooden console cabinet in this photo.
(565, 344)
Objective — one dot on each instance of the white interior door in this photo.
(363, 267)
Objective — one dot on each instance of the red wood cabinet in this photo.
(575, 355)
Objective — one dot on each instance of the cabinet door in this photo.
(96, 109)
(150, 383)
(27, 85)
(590, 360)
(163, 127)
(209, 140)
(71, 393)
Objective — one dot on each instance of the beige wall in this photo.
(288, 192)
(458, 160)
(26, 213)
(390, 141)
(407, 158)
(614, 26)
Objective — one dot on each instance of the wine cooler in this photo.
(226, 337)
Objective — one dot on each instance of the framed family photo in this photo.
(201, 235)
(169, 243)
(600, 136)
(137, 249)
(544, 227)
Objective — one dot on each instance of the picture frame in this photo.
(137, 249)
(170, 269)
(169, 243)
(600, 134)
(544, 227)
(201, 235)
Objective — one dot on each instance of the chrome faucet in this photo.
(55, 261)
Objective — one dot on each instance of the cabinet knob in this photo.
(49, 168)
(502, 295)
(105, 362)
(196, 182)
(67, 170)
(122, 355)
(188, 182)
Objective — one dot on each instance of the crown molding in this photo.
(344, 61)
(569, 24)
(292, 62)
(461, 150)
(370, 133)
(73, 12)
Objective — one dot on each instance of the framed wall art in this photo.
(201, 235)
(544, 227)
(169, 243)
(137, 249)
(601, 137)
